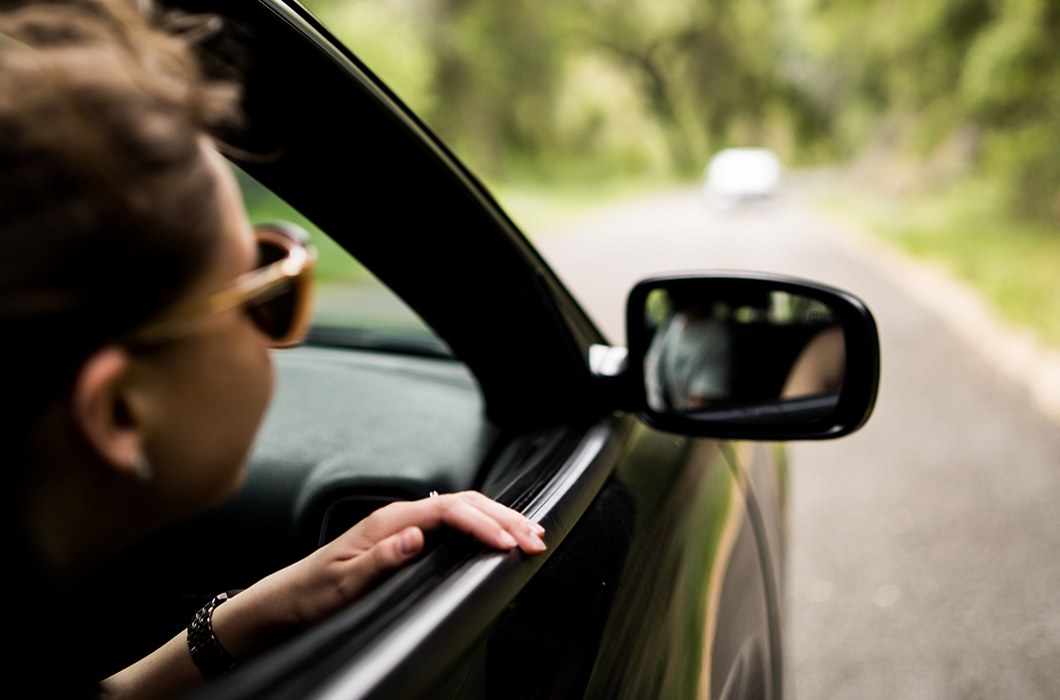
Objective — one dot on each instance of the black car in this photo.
(666, 537)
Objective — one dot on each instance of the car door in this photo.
(660, 579)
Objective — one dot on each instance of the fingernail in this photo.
(408, 542)
(535, 528)
(507, 540)
(540, 542)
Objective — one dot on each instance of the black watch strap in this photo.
(206, 651)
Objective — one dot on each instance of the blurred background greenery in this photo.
(576, 90)
(557, 90)
(944, 113)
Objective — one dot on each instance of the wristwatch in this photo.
(206, 651)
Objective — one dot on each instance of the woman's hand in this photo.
(323, 583)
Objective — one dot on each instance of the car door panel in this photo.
(544, 643)
(657, 592)
(407, 633)
(692, 598)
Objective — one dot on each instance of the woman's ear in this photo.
(102, 412)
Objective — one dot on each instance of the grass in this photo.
(537, 207)
(1013, 263)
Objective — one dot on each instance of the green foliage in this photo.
(705, 71)
(576, 89)
(931, 69)
(966, 229)
(391, 39)
(597, 90)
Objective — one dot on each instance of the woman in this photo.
(136, 342)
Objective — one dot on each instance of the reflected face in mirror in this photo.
(737, 347)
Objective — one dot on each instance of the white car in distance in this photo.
(741, 175)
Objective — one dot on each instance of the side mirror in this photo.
(751, 356)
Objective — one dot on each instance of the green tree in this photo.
(596, 87)
(706, 70)
(925, 70)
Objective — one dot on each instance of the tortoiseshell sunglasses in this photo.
(277, 295)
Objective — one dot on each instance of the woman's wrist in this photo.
(207, 652)
(234, 627)
(254, 621)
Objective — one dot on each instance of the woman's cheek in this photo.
(247, 401)
(220, 394)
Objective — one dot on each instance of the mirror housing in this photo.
(748, 356)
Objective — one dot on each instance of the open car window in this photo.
(352, 307)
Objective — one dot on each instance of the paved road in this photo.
(924, 557)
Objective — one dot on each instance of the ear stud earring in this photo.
(142, 468)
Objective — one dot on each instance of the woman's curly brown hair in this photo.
(108, 209)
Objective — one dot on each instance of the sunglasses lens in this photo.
(275, 316)
(281, 315)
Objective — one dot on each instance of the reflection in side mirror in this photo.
(752, 356)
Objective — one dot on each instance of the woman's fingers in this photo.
(469, 512)
(394, 551)
(503, 530)
(381, 559)
(410, 542)
(526, 533)
(501, 513)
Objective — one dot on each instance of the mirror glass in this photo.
(731, 350)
